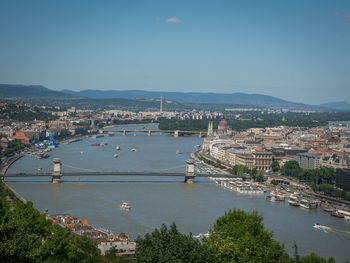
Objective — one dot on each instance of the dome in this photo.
(223, 124)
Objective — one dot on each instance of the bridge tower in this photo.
(190, 176)
(57, 171)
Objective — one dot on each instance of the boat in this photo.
(293, 202)
(115, 155)
(271, 198)
(305, 204)
(337, 214)
(308, 204)
(117, 148)
(347, 218)
(125, 206)
(206, 235)
(177, 152)
(278, 196)
(133, 150)
(328, 209)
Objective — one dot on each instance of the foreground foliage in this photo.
(241, 237)
(169, 245)
(237, 236)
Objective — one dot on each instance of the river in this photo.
(156, 200)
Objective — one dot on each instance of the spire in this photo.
(210, 129)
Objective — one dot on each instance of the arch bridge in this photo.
(175, 133)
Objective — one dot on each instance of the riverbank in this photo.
(9, 162)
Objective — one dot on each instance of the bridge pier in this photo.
(190, 176)
(149, 133)
(176, 133)
(124, 133)
(200, 135)
(57, 171)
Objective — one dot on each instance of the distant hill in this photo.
(33, 91)
(256, 100)
(339, 106)
(41, 95)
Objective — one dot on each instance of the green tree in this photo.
(275, 166)
(241, 237)
(291, 168)
(169, 245)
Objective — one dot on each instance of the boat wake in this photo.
(329, 230)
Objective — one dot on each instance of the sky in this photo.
(295, 50)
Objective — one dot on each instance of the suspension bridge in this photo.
(57, 173)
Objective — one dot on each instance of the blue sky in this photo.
(295, 50)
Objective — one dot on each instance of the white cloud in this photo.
(174, 20)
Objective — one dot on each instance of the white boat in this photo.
(317, 225)
(115, 155)
(117, 148)
(271, 198)
(133, 150)
(125, 206)
(206, 235)
(347, 218)
(177, 152)
(278, 196)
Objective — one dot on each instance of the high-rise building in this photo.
(161, 103)
(342, 178)
(308, 160)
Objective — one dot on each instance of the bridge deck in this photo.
(118, 174)
(153, 131)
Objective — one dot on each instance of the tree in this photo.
(169, 245)
(291, 168)
(274, 182)
(26, 236)
(275, 166)
(241, 237)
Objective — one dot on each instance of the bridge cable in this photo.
(83, 169)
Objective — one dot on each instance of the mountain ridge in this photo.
(37, 92)
(237, 98)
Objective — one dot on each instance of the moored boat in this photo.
(278, 196)
(328, 209)
(337, 214)
(293, 202)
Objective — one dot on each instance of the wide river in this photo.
(156, 200)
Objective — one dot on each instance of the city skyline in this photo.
(295, 51)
